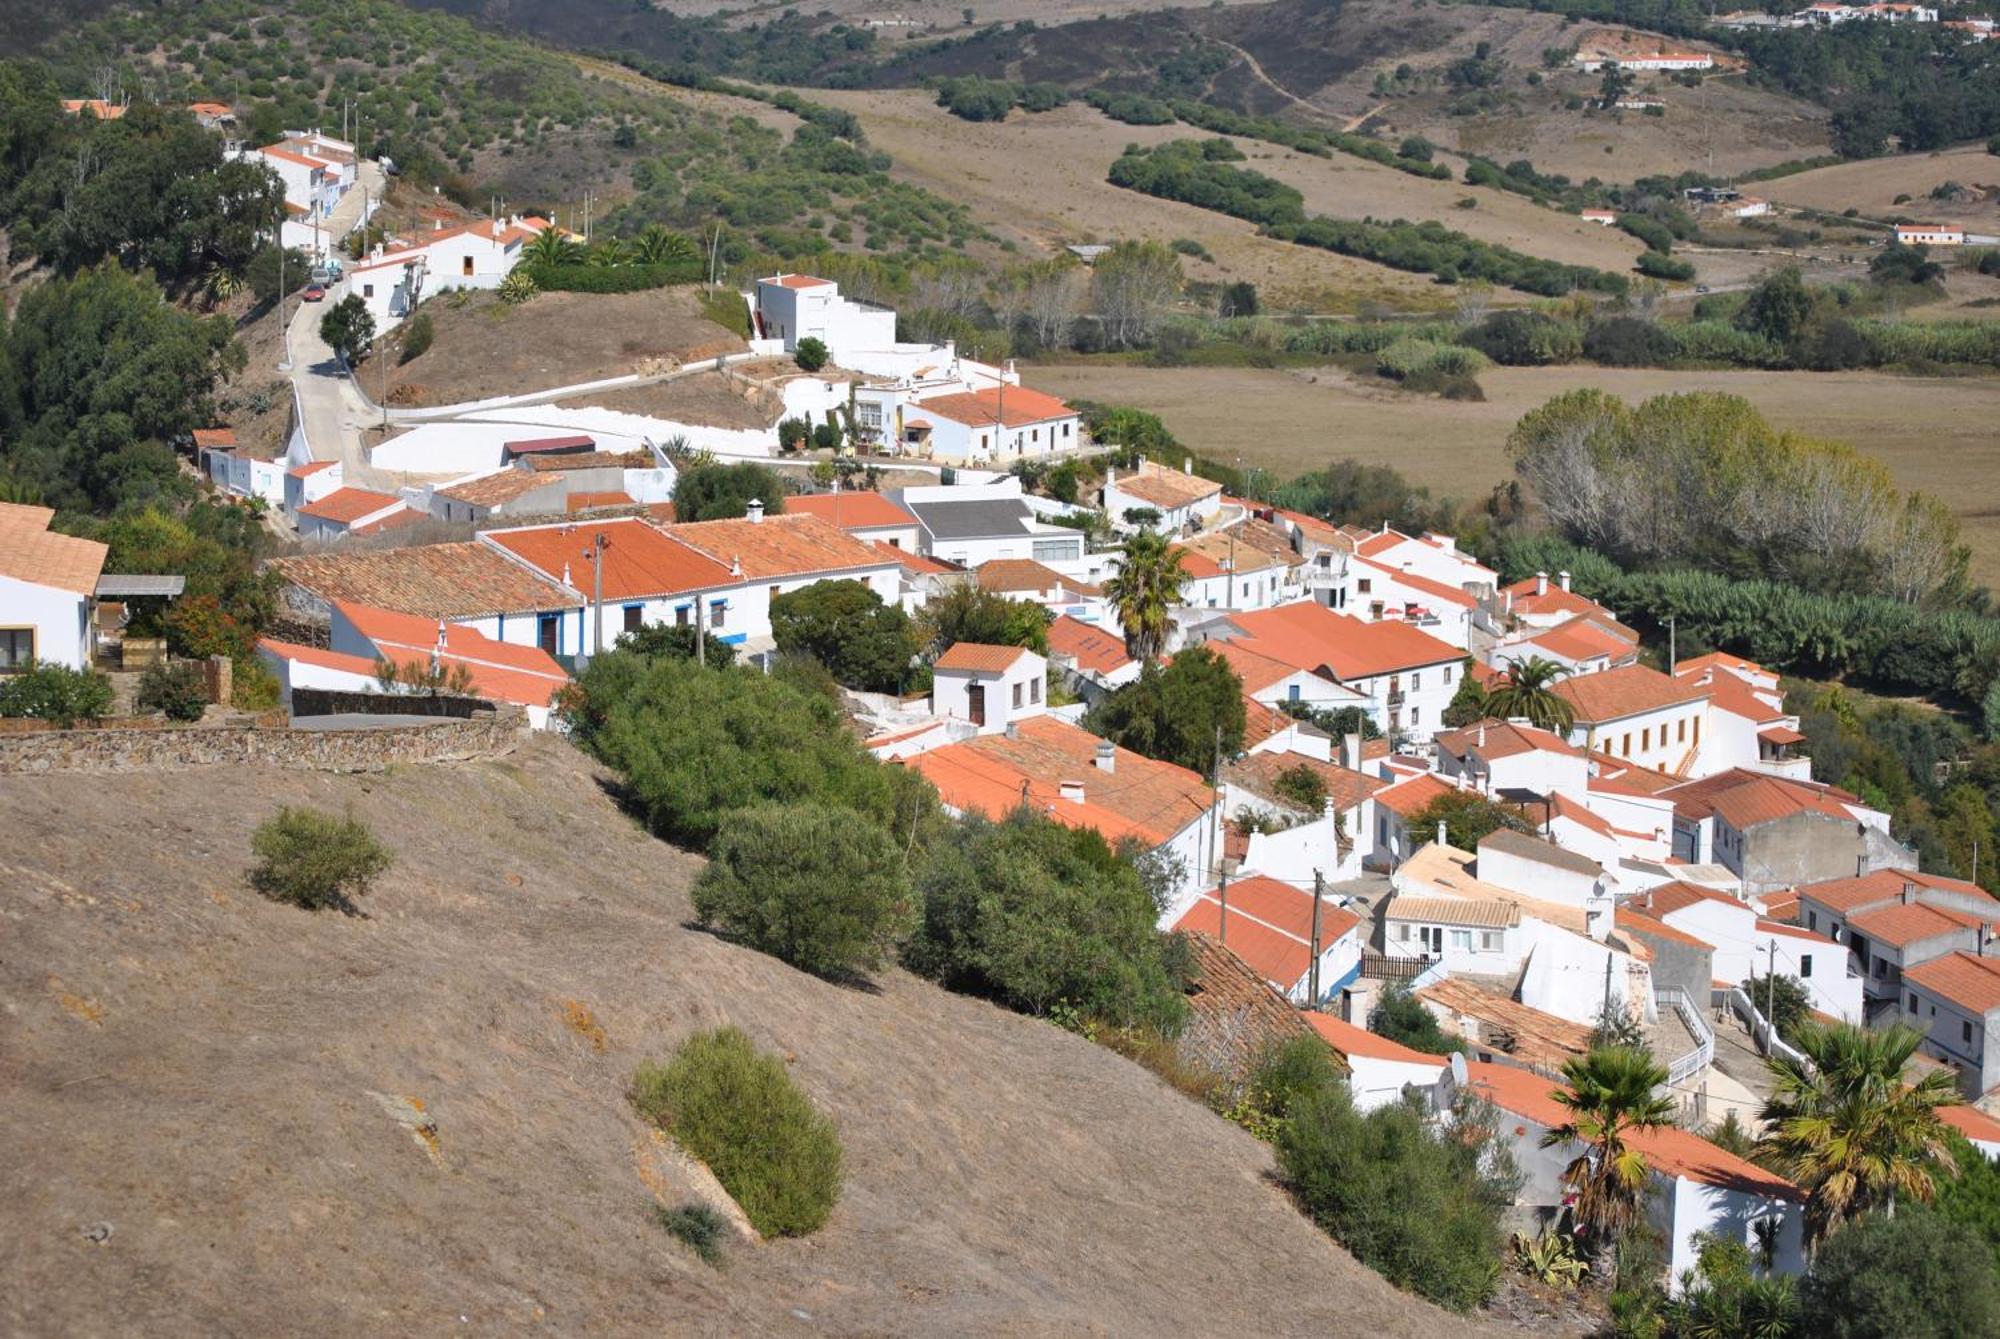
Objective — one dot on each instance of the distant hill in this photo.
(210, 1095)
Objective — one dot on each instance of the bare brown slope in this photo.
(194, 1067)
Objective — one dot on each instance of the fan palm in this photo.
(1528, 692)
(659, 245)
(550, 247)
(1610, 1098)
(1850, 1128)
(1144, 589)
(610, 252)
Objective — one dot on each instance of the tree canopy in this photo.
(1178, 714)
(716, 492)
(844, 625)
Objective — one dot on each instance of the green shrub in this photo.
(727, 309)
(417, 337)
(1418, 1204)
(50, 692)
(811, 354)
(178, 689)
(740, 1113)
(609, 278)
(807, 884)
(1657, 266)
(696, 1225)
(1284, 1075)
(1402, 1018)
(866, 644)
(520, 285)
(312, 859)
(1408, 358)
(1915, 1276)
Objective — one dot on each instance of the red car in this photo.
(314, 293)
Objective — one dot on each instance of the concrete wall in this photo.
(1801, 848)
(1677, 965)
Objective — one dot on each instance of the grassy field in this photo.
(1934, 434)
(1872, 186)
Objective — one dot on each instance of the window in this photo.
(548, 633)
(1403, 933)
(1447, 674)
(896, 543)
(634, 617)
(1625, 747)
(1065, 429)
(681, 616)
(1812, 920)
(1034, 690)
(776, 591)
(1043, 550)
(1965, 1031)
(1018, 695)
(718, 613)
(1682, 737)
(367, 290)
(1365, 585)
(1697, 729)
(1913, 1004)
(17, 648)
(1646, 740)
(1805, 966)
(1462, 940)
(1416, 713)
(1416, 680)
(467, 270)
(1881, 966)
(1489, 941)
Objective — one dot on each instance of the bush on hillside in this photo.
(312, 859)
(609, 278)
(1035, 914)
(1654, 265)
(51, 692)
(1419, 1204)
(696, 1226)
(1915, 1276)
(1283, 1076)
(177, 689)
(740, 1113)
(417, 337)
(811, 354)
(807, 884)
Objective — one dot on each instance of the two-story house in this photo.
(1954, 1000)
(1893, 920)
(1406, 676)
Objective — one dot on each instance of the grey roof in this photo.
(113, 584)
(978, 518)
(1534, 848)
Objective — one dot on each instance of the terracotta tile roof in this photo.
(498, 488)
(1410, 798)
(1492, 739)
(796, 281)
(1529, 1035)
(210, 109)
(1721, 660)
(290, 155)
(1234, 1016)
(1668, 1149)
(1309, 635)
(588, 500)
(572, 442)
(1451, 595)
(345, 506)
(1629, 777)
(1092, 648)
(1583, 639)
(1319, 532)
(391, 520)
(214, 438)
(1883, 885)
(1555, 600)
(914, 562)
(856, 510)
(317, 655)
(640, 562)
(1628, 918)
(97, 107)
(779, 546)
(980, 658)
(1966, 979)
(1261, 722)
(1733, 695)
(1452, 911)
(468, 580)
(1259, 772)
(994, 775)
(983, 408)
(1667, 898)
(1743, 799)
(310, 467)
(1360, 1043)
(589, 460)
(526, 675)
(1910, 923)
(1008, 575)
(1629, 690)
(1269, 927)
(31, 552)
(1211, 555)
(1164, 487)
(1256, 670)
(1971, 1122)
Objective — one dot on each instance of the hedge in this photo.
(612, 278)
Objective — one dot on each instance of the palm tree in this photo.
(609, 252)
(659, 245)
(550, 247)
(1528, 692)
(1849, 1127)
(1144, 589)
(1610, 1097)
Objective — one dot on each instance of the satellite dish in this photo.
(1459, 1074)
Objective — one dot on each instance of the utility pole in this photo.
(700, 650)
(596, 555)
(1771, 989)
(284, 329)
(1673, 660)
(1605, 1012)
(1222, 907)
(1312, 970)
(1215, 802)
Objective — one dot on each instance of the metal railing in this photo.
(1703, 1055)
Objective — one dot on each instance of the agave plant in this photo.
(1549, 1259)
(517, 287)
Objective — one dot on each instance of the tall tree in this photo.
(1528, 692)
(1144, 589)
(1131, 286)
(1610, 1098)
(1851, 1125)
(1180, 714)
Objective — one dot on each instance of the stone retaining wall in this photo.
(176, 750)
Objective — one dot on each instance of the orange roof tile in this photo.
(1256, 670)
(214, 438)
(641, 561)
(1025, 574)
(508, 672)
(979, 658)
(317, 655)
(1535, 1038)
(1882, 885)
(919, 563)
(1165, 487)
(1493, 738)
(1410, 798)
(1092, 648)
(1971, 1122)
(498, 488)
(984, 408)
(1260, 771)
(1269, 926)
(1451, 595)
(31, 552)
(1966, 979)
(467, 580)
(1583, 639)
(1721, 660)
(1909, 923)
(1667, 898)
(1629, 690)
(1743, 799)
(1628, 918)
(310, 467)
(779, 546)
(1311, 636)
(1555, 600)
(1354, 1041)
(796, 281)
(850, 510)
(345, 506)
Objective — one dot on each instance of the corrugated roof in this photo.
(975, 518)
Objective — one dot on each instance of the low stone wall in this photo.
(169, 749)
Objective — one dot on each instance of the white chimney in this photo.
(496, 227)
(736, 567)
(1442, 833)
(1541, 583)
(1071, 791)
(1510, 601)
(1107, 757)
(1013, 730)
(1562, 579)
(755, 510)
(437, 225)
(1350, 750)
(565, 579)
(1909, 893)
(1482, 734)
(1187, 464)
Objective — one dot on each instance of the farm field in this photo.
(1872, 186)
(1935, 434)
(1040, 181)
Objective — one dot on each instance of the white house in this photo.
(1929, 234)
(971, 524)
(988, 687)
(1093, 658)
(476, 256)
(1637, 714)
(1430, 554)
(234, 470)
(349, 511)
(1182, 500)
(792, 307)
(1745, 944)
(1406, 675)
(1772, 831)
(47, 584)
(1270, 924)
(1954, 1000)
(311, 481)
(1748, 725)
(1512, 758)
(996, 426)
(861, 513)
(1694, 1188)
(1378, 592)
(1381, 1072)
(1582, 645)
(1275, 682)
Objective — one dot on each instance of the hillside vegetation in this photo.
(239, 1117)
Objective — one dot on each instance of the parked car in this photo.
(1701, 288)
(314, 293)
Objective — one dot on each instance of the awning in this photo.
(140, 585)
(1780, 734)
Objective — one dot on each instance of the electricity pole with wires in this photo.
(1312, 969)
(596, 555)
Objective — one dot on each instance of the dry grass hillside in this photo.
(210, 1100)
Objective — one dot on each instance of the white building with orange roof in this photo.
(347, 511)
(860, 512)
(48, 583)
(1748, 725)
(1093, 658)
(1377, 591)
(1178, 501)
(1430, 554)
(1954, 999)
(1381, 1072)
(1406, 676)
(1745, 943)
(791, 307)
(1538, 602)
(1512, 759)
(1224, 574)
(1581, 645)
(1037, 583)
(1772, 832)
(990, 688)
(1075, 778)
(1638, 714)
(1275, 682)
(473, 256)
(1396, 809)
(309, 481)
(996, 426)
(1269, 923)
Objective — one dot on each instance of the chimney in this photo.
(437, 225)
(1107, 757)
(565, 579)
(1909, 892)
(1187, 464)
(755, 511)
(1562, 579)
(1442, 833)
(1541, 583)
(1350, 750)
(1071, 791)
(736, 567)
(1510, 602)
(1482, 735)
(1013, 730)
(496, 227)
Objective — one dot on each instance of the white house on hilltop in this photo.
(792, 307)
(47, 583)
